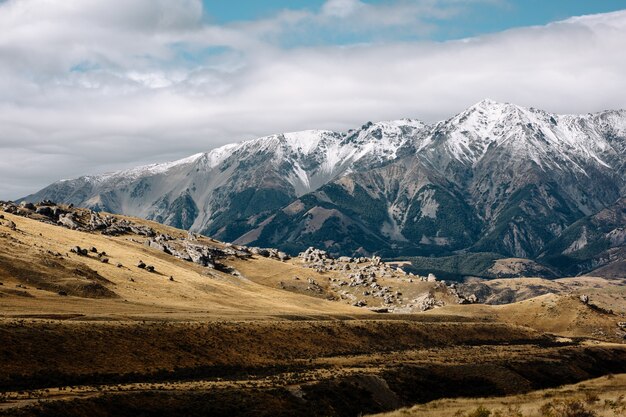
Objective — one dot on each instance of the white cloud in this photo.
(88, 86)
(341, 8)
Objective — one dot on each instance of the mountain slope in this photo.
(597, 241)
(391, 209)
(495, 178)
(220, 192)
(528, 173)
(41, 274)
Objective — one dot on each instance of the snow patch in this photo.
(305, 141)
(218, 155)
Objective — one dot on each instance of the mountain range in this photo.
(497, 177)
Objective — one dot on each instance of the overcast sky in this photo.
(89, 86)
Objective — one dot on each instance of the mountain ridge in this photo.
(496, 177)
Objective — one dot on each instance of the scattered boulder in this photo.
(584, 299)
(141, 265)
(427, 302)
(196, 251)
(45, 211)
(149, 268)
(67, 220)
(79, 251)
(28, 206)
(9, 208)
(260, 251)
(200, 254)
(471, 299)
(313, 255)
(8, 223)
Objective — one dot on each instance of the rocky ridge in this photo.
(370, 282)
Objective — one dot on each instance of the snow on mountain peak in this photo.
(488, 151)
(306, 141)
(486, 102)
(547, 139)
(470, 132)
(317, 156)
(151, 169)
(216, 156)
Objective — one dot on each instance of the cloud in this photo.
(341, 8)
(89, 86)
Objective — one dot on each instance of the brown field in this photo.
(605, 397)
(81, 337)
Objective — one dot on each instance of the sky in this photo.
(92, 86)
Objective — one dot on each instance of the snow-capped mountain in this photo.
(212, 192)
(496, 177)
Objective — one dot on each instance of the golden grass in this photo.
(604, 396)
(263, 325)
(196, 292)
(564, 315)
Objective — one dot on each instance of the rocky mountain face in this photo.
(222, 192)
(596, 242)
(494, 178)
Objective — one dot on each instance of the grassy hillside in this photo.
(601, 397)
(91, 333)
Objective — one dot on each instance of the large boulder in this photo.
(8, 223)
(27, 206)
(68, 220)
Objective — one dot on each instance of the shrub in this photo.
(566, 408)
(511, 411)
(591, 398)
(480, 412)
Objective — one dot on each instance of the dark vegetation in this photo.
(105, 352)
(455, 267)
(398, 385)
